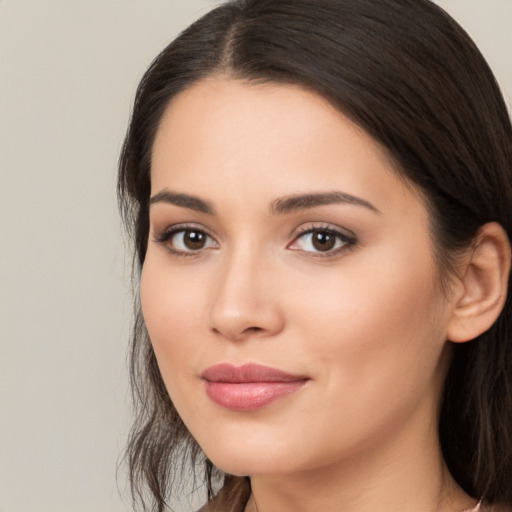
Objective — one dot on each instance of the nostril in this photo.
(240, 335)
(253, 329)
(237, 320)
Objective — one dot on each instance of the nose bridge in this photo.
(244, 301)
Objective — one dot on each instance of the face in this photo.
(289, 287)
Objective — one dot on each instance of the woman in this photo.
(320, 197)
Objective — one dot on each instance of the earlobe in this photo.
(483, 285)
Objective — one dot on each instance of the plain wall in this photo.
(68, 72)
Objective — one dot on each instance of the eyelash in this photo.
(348, 241)
(167, 235)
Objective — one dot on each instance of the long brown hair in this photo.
(406, 73)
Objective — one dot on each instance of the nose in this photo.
(245, 300)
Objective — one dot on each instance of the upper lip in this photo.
(251, 372)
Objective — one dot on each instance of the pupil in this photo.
(323, 241)
(194, 240)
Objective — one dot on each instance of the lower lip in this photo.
(249, 396)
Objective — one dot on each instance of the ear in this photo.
(482, 290)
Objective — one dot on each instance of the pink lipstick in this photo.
(249, 387)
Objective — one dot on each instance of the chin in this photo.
(241, 457)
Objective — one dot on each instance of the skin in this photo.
(367, 323)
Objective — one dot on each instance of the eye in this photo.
(321, 240)
(185, 240)
(190, 240)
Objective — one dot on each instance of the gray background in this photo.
(68, 72)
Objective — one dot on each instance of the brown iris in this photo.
(323, 240)
(194, 240)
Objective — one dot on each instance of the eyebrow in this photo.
(183, 200)
(289, 204)
(280, 206)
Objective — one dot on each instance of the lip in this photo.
(250, 386)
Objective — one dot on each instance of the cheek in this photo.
(172, 306)
(374, 327)
(375, 346)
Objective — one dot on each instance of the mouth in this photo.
(249, 387)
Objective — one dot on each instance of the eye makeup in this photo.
(317, 240)
(322, 241)
(185, 240)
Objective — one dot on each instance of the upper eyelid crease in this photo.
(348, 237)
(171, 230)
(348, 240)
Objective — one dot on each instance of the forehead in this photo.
(224, 136)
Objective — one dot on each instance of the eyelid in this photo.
(323, 226)
(348, 238)
(164, 236)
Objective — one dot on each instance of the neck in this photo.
(406, 472)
